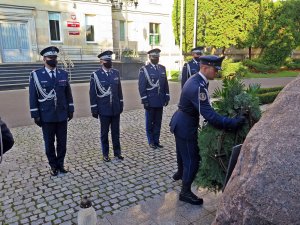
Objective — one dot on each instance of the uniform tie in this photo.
(52, 76)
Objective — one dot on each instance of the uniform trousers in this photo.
(50, 131)
(112, 122)
(188, 158)
(153, 124)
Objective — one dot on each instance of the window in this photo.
(154, 37)
(54, 21)
(122, 30)
(90, 27)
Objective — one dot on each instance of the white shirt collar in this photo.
(105, 70)
(204, 78)
(48, 71)
(153, 65)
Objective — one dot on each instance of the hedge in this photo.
(256, 66)
(267, 98)
(271, 89)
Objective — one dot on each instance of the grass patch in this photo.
(285, 73)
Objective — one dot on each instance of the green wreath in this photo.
(216, 145)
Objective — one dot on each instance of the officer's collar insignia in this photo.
(202, 96)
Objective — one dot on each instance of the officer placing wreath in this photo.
(194, 100)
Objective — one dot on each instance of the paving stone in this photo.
(113, 187)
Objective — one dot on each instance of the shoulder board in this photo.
(62, 71)
(161, 65)
(97, 71)
(115, 70)
(202, 86)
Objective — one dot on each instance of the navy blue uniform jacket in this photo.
(194, 99)
(46, 110)
(110, 105)
(155, 97)
(187, 73)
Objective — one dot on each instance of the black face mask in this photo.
(107, 64)
(197, 59)
(154, 61)
(52, 62)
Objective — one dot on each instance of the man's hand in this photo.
(146, 106)
(95, 115)
(38, 121)
(240, 121)
(70, 116)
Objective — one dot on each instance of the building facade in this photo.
(84, 28)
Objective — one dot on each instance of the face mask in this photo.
(107, 64)
(52, 62)
(197, 59)
(154, 61)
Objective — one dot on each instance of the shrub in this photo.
(271, 89)
(233, 69)
(267, 98)
(292, 64)
(128, 52)
(258, 67)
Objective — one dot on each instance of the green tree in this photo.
(220, 24)
(282, 32)
(229, 22)
(188, 23)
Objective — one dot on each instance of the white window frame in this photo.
(155, 34)
(60, 27)
(94, 24)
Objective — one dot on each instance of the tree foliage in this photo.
(220, 23)
(270, 26)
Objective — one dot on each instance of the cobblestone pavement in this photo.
(29, 195)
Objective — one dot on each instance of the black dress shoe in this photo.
(177, 176)
(119, 157)
(159, 146)
(54, 172)
(190, 197)
(153, 146)
(106, 159)
(63, 170)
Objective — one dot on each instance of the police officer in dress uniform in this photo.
(51, 107)
(106, 100)
(184, 124)
(192, 66)
(154, 92)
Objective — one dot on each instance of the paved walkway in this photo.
(138, 190)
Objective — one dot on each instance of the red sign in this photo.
(73, 24)
(74, 33)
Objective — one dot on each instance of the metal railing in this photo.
(67, 62)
